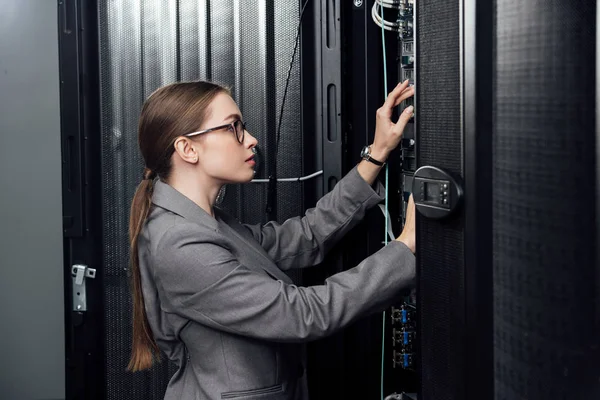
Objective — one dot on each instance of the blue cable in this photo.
(385, 88)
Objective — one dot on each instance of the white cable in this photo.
(394, 396)
(391, 4)
(388, 218)
(378, 18)
(387, 25)
(302, 179)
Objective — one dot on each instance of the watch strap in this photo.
(367, 156)
(374, 161)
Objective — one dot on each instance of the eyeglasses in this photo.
(238, 128)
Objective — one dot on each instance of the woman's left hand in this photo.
(388, 133)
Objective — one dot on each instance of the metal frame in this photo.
(321, 76)
(477, 46)
(309, 36)
(80, 107)
(329, 93)
(323, 150)
(71, 118)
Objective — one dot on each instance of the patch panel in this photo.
(403, 338)
(404, 315)
(403, 360)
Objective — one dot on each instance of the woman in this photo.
(211, 293)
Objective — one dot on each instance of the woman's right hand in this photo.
(387, 133)
(408, 235)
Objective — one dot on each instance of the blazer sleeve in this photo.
(199, 279)
(304, 242)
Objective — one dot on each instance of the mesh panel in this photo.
(546, 343)
(251, 92)
(138, 43)
(145, 45)
(258, 87)
(441, 264)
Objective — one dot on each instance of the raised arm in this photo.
(199, 279)
(302, 242)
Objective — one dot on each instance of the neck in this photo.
(201, 191)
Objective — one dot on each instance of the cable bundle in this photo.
(404, 22)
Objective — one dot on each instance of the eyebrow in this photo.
(233, 117)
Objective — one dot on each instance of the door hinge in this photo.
(79, 273)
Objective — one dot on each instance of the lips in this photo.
(251, 158)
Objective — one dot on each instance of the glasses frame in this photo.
(216, 128)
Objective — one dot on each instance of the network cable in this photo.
(287, 80)
(272, 181)
(405, 14)
(379, 20)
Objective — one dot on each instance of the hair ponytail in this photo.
(144, 348)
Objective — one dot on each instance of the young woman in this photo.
(210, 292)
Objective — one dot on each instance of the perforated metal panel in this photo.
(148, 44)
(546, 276)
(440, 244)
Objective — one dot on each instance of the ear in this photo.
(186, 149)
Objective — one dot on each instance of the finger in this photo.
(403, 119)
(410, 210)
(394, 95)
(410, 216)
(405, 91)
(406, 94)
(410, 87)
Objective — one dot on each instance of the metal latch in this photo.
(79, 273)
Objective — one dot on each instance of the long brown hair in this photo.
(168, 113)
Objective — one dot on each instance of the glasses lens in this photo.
(239, 131)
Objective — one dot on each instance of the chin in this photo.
(249, 177)
(242, 178)
(236, 176)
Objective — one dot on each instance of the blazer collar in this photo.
(169, 198)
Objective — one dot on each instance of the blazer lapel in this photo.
(167, 197)
(240, 232)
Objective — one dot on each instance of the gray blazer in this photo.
(221, 307)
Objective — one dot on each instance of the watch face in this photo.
(365, 152)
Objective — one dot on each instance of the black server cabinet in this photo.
(545, 175)
(508, 288)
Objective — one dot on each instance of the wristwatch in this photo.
(365, 154)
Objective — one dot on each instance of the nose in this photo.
(250, 141)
